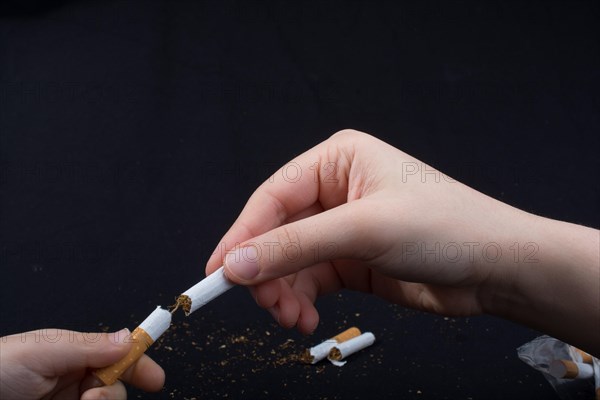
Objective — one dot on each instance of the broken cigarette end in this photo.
(204, 291)
(335, 354)
(184, 302)
(321, 351)
(349, 347)
(142, 338)
(305, 357)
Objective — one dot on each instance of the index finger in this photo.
(319, 175)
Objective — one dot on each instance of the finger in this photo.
(145, 374)
(307, 212)
(57, 352)
(116, 391)
(292, 247)
(316, 176)
(309, 316)
(288, 307)
(267, 293)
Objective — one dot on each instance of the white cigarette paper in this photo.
(321, 351)
(141, 338)
(156, 323)
(207, 289)
(565, 369)
(349, 347)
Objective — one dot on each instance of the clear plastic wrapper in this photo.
(542, 352)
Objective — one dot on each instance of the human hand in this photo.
(57, 364)
(355, 212)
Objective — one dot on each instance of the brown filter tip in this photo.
(585, 357)
(141, 341)
(347, 334)
(571, 369)
(335, 354)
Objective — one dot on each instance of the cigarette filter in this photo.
(204, 291)
(344, 349)
(142, 337)
(565, 369)
(582, 356)
(319, 352)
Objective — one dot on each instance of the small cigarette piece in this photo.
(565, 369)
(142, 337)
(585, 357)
(204, 291)
(349, 347)
(321, 351)
(596, 364)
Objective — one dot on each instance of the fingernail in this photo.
(243, 262)
(119, 337)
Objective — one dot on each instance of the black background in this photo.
(132, 133)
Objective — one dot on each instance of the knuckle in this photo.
(287, 236)
(347, 134)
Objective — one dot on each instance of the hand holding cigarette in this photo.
(159, 321)
(38, 363)
(357, 213)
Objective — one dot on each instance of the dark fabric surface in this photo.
(132, 133)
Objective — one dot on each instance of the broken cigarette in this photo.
(142, 337)
(565, 369)
(344, 349)
(321, 351)
(203, 292)
(583, 356)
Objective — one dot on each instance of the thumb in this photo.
(68, 350)
(332, 234)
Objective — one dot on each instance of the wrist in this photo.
(558, 290)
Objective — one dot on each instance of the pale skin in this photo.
(365, 216)
(57, 364)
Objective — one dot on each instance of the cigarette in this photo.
(142, 337)
(584, 357)
(565, 369)
(320, 351)
(596, 363)
(349, 347)
(203, 292)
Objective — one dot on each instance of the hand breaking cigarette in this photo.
(159, 321)
(143, 336)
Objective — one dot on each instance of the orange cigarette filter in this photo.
(347, 334)
(142, 338)
(585, 357)
(321, 351)
(566, 369)
(141, 342)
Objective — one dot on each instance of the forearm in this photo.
(559, 292)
